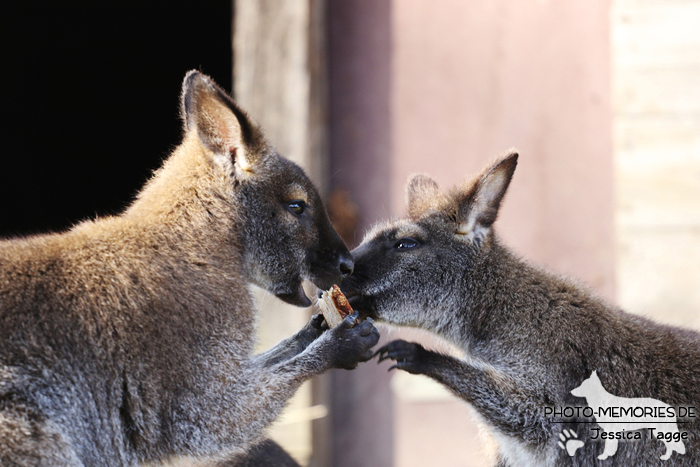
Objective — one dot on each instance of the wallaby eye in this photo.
(406, 242)
(296, 207)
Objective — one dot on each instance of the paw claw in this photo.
(408, 356)
(317, 320)
(353, 343)
(366, 329)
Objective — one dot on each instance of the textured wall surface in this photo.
(473, 79)
(656, 76)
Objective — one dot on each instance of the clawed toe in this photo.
(317, 321)
(367, 355)
(406, 355)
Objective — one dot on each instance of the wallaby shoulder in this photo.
(576, 329)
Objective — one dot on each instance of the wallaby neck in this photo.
(506, 297)
(189, 199)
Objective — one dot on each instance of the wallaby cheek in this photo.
(396, 310)
(275, 257)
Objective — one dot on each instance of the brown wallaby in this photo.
(535, 343)
(129, 339)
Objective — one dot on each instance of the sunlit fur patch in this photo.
(411, 230)
(297, 192)
(381, 227)
(242, 162)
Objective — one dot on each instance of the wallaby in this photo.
(530, 336)
(128, 340)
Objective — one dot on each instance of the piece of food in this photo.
(334, 306)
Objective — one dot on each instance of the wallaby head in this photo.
(282, 226)
(400, 265)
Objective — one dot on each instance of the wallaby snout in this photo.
(330, 260)
(345, 264)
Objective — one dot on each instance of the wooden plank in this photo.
(278, 77)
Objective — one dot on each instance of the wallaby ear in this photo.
(221, 125)
(423, 194)
(478, 204)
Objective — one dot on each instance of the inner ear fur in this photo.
(479, 201)
(222, 126)
(422, 195)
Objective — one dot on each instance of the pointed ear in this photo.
(221, 125)
(478, 205)
(423, 194)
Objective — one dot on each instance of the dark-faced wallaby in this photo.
(129, 339)
(530, 337)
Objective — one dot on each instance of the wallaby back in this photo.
(129, 339)
(530, 336)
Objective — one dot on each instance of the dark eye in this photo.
(296, 207)
(406, 243)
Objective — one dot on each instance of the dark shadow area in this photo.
(90, 101)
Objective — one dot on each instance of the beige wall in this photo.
(656, 76)
(472, 79)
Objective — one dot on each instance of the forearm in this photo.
(515, 409)
(232, 409)
(513, 406)
(292, 346)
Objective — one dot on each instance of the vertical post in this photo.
(278, 77)
(359, 74)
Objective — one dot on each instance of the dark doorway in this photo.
(90, 100)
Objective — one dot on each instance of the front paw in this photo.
(408, 356)
(309, 333)
(351, 343)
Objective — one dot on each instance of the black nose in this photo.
(345, 264)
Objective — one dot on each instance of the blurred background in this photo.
(600, 97)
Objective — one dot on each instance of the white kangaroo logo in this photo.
(598, 398)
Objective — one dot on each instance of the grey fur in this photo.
(129, 339)
(529, 336)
